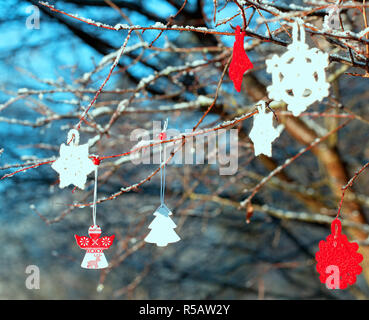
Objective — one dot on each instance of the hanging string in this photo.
(95, 195)
(162, 163)
(96, 162)
(298, 31)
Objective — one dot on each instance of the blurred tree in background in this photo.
(174, 65)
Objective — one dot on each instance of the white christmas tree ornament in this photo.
(263, 132)
(74, 163)
(162, 226)
(298, 75)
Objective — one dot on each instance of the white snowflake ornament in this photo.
(162, 227)
(298, 75)
(263, 132)
(73, 165)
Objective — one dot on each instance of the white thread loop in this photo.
(298, 26)
(165, 125)
(162, 166)
(261, 108)
(73, 137)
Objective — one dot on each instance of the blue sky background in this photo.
(53, 52)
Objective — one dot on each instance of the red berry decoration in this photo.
(96, 161)
(162, 136)
(338, 259)
(240, 61)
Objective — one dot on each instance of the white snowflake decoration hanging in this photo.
(263, 132)
(298, 75)
(73, 165)
(162, 227)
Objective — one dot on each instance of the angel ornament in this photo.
(94, 245)
(74, 163)
(298, 75)
(263, 132)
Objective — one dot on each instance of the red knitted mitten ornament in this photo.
(338, 259)
(240, 61)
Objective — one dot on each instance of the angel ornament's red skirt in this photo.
(94, 259)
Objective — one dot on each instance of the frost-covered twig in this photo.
(118, 56)
(287, 162)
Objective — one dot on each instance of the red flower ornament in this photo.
(338, 259)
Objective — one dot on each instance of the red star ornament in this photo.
(240, 61)
(338, 259)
